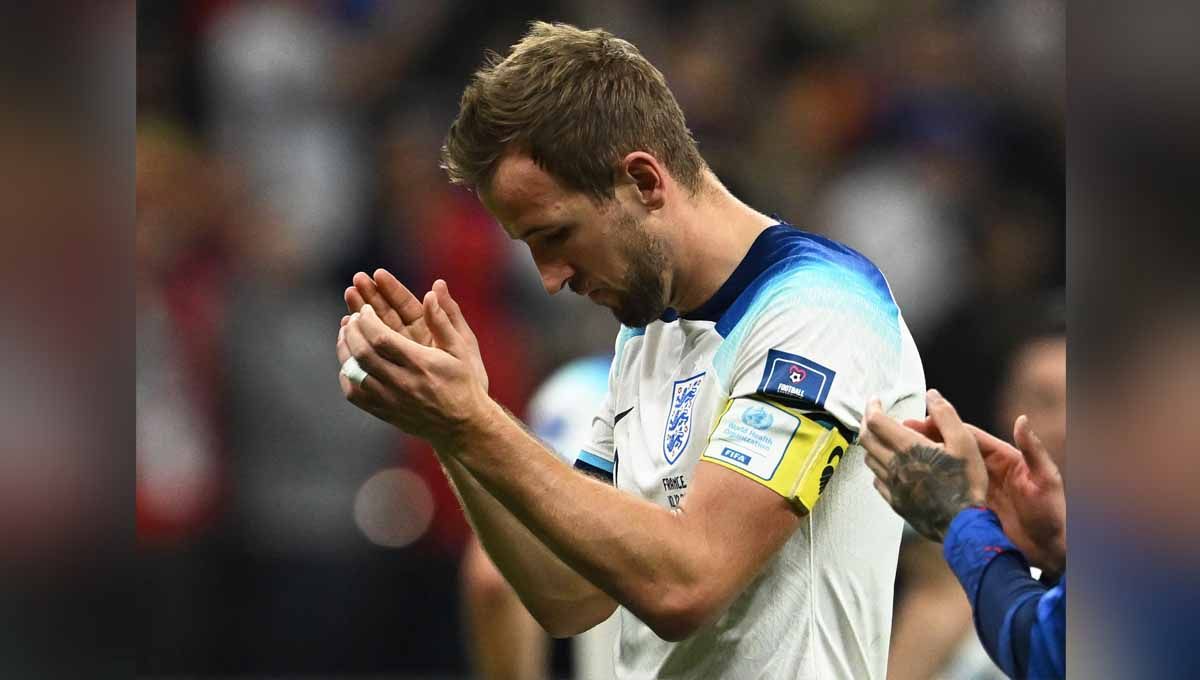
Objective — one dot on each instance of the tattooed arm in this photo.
(927, 483)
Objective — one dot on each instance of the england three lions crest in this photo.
(678, 431)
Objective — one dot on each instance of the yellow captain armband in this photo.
(779, 447)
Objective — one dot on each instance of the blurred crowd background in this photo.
(283, 145)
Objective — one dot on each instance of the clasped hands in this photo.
(425, 372)
(929, 470)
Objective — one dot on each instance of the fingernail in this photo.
(367, 308)
(354, 316)
(934, 394)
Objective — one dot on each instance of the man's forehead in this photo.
(519, 177)
(522, 194)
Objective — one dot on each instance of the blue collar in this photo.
(762, 254)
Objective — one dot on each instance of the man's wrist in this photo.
(479, 422)
(973, 539)
(1057, 554)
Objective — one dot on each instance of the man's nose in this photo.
(555, 276)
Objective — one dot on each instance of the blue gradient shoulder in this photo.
(808, 269)
(809, 289)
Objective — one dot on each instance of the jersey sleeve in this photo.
(598, 456)
(821, 359)
(800, 366)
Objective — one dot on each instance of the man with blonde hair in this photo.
(746, 351)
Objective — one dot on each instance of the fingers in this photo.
(453, 311)
(882, 436)
(877, 451)
(956, 435)
(343, 352)
(877, 467)
(444, 333)
(883, 490)
(989, 444)
(393, 347)
(369, 395)
(926, 427)
(1031, 446)
(998, 455)
(354, 392)
(354, 300)
(345, 345)
(365, 286)
(368, 341)
(397, 296)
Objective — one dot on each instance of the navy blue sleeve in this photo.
(1048, 639)
(1020, 621)
(1006, 610)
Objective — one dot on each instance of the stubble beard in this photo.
(644, 296)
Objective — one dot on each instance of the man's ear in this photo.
(648, 176)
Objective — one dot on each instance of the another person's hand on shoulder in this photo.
(927, 482)
(1025, 489)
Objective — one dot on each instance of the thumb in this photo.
(998, 456)
(955, 434)
(1036, 455)
(925, 426)
(991, 446)
(444, 334)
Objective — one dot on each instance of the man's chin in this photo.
(635, 318)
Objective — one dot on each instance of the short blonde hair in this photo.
(577, 102)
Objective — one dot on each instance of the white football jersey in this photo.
(797, 340)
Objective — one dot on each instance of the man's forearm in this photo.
(1003, 594)
(504, 640)
(632, 549)
(562, 601)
